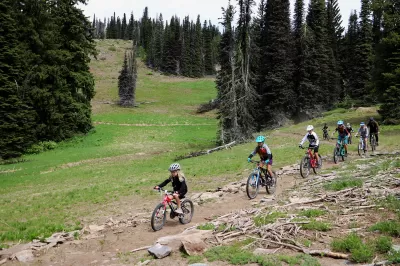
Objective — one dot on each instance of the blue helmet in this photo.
(362, 124)
(260, 139)
(340, 122)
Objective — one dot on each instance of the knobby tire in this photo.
(319, 166)
(252, 178)
(157, 210)
(188, 209)
(270, 185)
(305, 167)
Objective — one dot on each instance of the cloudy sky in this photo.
(208, 9)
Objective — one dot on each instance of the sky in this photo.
(208, 9)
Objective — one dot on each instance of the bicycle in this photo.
(256, 179)
(373, 142)
(339, 151)
(308, 162)
(325, 134)
(362, 147)
(159, 214)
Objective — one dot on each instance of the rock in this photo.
(96, 228)
(17, 248)
(24, 256)
(208, 195)
(194, 246)
(159, 251)
(175, 241)
(3, 261)
(262, 251)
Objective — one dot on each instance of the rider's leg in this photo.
(178, 201)
(269, 167)
(345, 143)
(366, 143)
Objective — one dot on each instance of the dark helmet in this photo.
(371, 119)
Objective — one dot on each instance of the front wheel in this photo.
(319, 165)
(373, 144)
(252, 186)
(336, 154)
(271, 183)
(360, 148)
(158, 217)
(305, 167)
(187, 209)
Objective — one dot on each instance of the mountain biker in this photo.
(178, 183)
(363, 131)
(343, 134)
(349, 129)
(264, 152)
(325, 130)
(313, 140)
(373, 129)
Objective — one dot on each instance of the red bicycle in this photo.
(308, 162)
(160, 212)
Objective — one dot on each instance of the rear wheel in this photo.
(158, 217)
(319, 165)
(187, 209)
(271, 183)
(252, 186)
(305, 167)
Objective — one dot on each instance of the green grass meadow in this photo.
(130, 149)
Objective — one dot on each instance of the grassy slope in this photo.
(54, 190)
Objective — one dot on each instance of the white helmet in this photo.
(174, 167)
(348, 124)
(310, 127)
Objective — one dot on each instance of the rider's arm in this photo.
(303, 140)
(166, 181)
(269, 153)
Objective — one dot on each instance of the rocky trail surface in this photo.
(112, 239)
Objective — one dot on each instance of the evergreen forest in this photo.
(271, 66)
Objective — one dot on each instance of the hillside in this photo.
(110, 172)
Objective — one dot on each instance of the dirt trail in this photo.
(112, 247)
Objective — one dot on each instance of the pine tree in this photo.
(198, 64)
(130, 27)
(225, 80)
(186, 59)
(364, 54)
(17, 117)
(320, 65)
(303, 87)
(124, 27)
(349, 48)
(123, 82)
(209, 68)
(245, 92)
(278, 98)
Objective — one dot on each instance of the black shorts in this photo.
(315, 148)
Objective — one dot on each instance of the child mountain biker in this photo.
(313, 140)
(264, 152)
(363, 131)
(373, 129)
(178, 183)
(343, 134)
